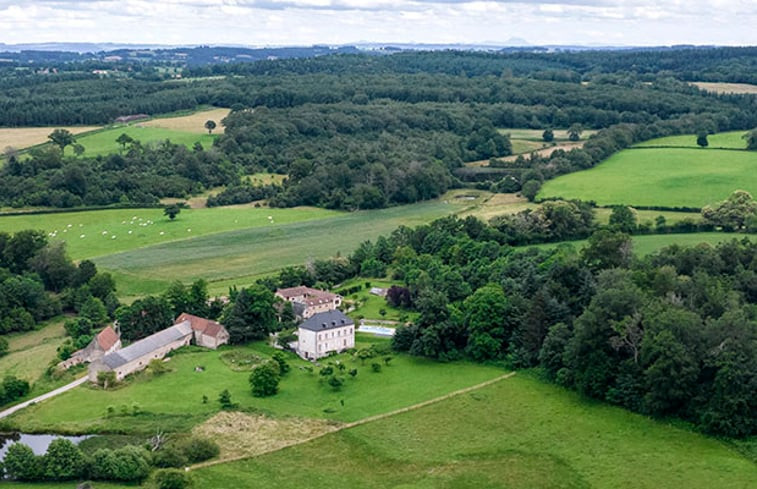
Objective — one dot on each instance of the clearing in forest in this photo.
(727, 87)
(192, 123)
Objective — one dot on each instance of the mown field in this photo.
(727, 140)
(30, 353)
(671, 177)
(517, 433)
(718, 87)
(104, 142)
(406, 381)
(646, 244)
(192, 123)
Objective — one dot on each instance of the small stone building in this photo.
(307, 301)
(136, 356)
(106, 341)
(324, 333)
(207, 333)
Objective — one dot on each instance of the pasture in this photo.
(671, 177)
(30, 353)
(516, 433)
(405, 381)
(721, 140)
(24, 137)
(646, 244)
(90, 234)
(245, 254)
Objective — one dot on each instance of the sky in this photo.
(307, 22)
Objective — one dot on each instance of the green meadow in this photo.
(671, 177)
(405, 381)
(723, 140)
(89, 234)
(252, 252)
(516, 433)
(104, 142)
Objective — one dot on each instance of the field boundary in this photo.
(369, 419)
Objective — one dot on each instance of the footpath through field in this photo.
(48, 395)
(359, 422)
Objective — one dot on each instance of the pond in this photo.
(38, 443)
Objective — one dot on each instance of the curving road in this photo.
(48, 395)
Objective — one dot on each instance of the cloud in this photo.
(260, 22)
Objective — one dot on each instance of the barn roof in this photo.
(327, 320)
(207, 327)
(107, 338)
(147, 345)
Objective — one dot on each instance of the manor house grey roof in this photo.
(327, 320)
(148, 345)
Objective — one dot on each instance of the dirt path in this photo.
(53, 393)
(363, 421)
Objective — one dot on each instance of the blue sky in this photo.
(304, 22)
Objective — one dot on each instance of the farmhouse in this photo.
(307, 301)
(207, 333)
(106, 341)
(324, 333)
(136, 356)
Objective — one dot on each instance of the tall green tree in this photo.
(484, 314)
(251, 316)
(61, 138)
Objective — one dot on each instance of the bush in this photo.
(197, 449)
(264, 379)
(225, 399)
(170, 456)
(127, 464)
(281, 360)
(376, 367)
(3, 346)
(171, 479)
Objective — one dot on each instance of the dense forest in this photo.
(358, 131)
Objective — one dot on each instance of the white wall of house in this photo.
(317, 344)
(139, 363)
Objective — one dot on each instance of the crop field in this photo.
(192, 123)
(89, 234)
(723, 140)
(23, 137)
(516, 433)
(727, 87)
(671, 177)
(405, 381)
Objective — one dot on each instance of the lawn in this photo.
(112, 231)
(246, 254)
(406, 381)
(671, 177)
(369, 305)
(517, 433)
(727, 140)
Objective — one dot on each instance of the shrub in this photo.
(225, 399)
(170, 456)
(264, 379)
(133, 464)
(281, 360)
(376, 367)
(197, 449)
(106, 379)
(335, 382)
(171, 479)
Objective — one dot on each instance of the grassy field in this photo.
(603, 216)
(723, 140)
(192, 123)
(517, 433)
(23, 137)
(369, 305)
(671, 177)
(112, 231)
(727, 87)
(249, 253)
(407, 380)
(30, 353)
(104, 142)
(644, 245)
